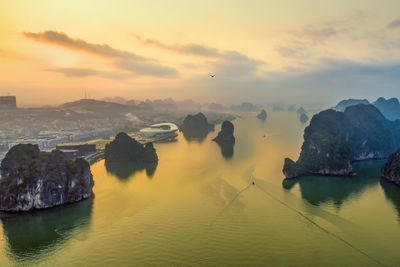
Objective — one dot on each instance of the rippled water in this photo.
(198, 208)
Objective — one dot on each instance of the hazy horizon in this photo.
(280, 52)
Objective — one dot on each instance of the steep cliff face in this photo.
(126, 149)
(226, 134)
(32, 179)
(333, 140)
(391, 170)
(390, 108)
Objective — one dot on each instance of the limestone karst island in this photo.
(199, 133)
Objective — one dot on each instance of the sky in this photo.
(277, 51)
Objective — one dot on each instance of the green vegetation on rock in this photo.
(391, 170)
(126, 149)
(196, 127)
(32, 179)
(333, 140)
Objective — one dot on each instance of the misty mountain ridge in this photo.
(390, 107)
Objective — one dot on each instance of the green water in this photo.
(197, 207)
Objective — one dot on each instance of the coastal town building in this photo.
(8, 102)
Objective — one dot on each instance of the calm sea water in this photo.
(198, 208)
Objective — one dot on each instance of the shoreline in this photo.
(349, 175)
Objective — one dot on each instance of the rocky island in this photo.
(126, 149)
(225, 136)
(196, 127)
(301, 110)
(225, 139)
(390, 108)
(262, 115)
(342, 105)
(333, 140)
(303, 118)
(32, 179)
(391, 170)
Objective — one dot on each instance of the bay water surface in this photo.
(198, 207)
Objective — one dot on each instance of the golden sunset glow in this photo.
(50, 51)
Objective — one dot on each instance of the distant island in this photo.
(225, 139)
(301, 110)
(333, 140)
(342, 105)
(390, 108)
(225, 136)
(262, 115)
(126, 149)
(303, 118)
(245, 107)
(196, 126)
(32, 179)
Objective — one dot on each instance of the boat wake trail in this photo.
(321, 227)
(298, 204)
(229, 204)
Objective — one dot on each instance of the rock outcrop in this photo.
(333, 140)
(342, 105)
(390, 108)
(262, 115)
(301, 110)
(391, 170)
(126, 149)
(225, 136)
(196, 127)
(32, 179)
(303, 118)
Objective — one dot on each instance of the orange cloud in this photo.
(226, 62)
(125, 60)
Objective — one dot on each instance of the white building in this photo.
(160, 129)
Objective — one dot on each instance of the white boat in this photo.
(159, 130)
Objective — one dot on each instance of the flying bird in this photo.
(212, 75)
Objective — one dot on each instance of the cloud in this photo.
(193, 49)
(318, 35)
(125, 60)
(393, 24)
(340, 78)
(235, 68)
(146, 68)
(188, 49)
(225, 62)
(62, 39)
(326, 82)
(315, 33)
(84, 72)
(190, 66)
(7, 53)
(321, 32)
(297, 50)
